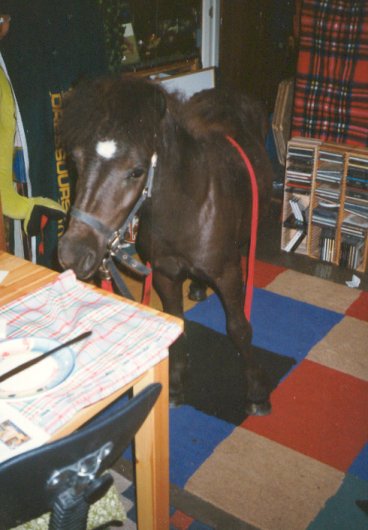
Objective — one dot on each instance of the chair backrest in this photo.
(32, 483)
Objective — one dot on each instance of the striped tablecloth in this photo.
(126, 341)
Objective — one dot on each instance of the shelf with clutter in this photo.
(325, 205)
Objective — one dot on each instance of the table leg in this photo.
(152, 456)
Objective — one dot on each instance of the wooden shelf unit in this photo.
(325, 206)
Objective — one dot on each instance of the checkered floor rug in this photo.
(306, 464)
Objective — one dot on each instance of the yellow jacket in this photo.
(14, 205)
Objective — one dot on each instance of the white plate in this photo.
(44, 375)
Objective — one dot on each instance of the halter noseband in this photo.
(92, 221)
(115, 238)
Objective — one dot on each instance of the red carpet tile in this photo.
(180, 521)
(265, 272)
(319, 412)
(359, 309)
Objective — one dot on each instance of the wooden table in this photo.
(152, 440)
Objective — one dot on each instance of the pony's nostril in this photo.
(82, 258)
(87, 262)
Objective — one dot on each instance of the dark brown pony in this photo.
(196, 222)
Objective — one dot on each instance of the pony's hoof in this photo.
(196, 293)
(258, 409)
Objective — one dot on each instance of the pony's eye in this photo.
(136, 173)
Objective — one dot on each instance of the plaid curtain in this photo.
(331, 88)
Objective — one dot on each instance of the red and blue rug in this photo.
(306, 464)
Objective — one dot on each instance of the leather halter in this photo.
(115, 238)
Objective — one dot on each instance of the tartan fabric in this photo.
(126, 341)
(331, 86)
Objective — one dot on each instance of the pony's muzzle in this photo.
(79, 257)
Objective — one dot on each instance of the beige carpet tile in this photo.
(313, 290)
(344, 348)
(263, 483)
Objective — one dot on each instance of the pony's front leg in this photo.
(240, 332)
(171, 295)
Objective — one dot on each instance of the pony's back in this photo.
(227, 113)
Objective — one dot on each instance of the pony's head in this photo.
(109, 128)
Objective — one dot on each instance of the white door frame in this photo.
(210, 33)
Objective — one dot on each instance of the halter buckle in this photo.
(114, 241)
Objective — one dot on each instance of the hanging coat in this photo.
(50, 46)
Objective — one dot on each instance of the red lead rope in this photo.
(147, 287)
(253, 231)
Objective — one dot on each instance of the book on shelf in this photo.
(324, 216)
(299, 167)
(357, 206)
(293, 223)
(330, 167)
(356, 219)
(295, 241)
(329, 176)
(325, 188)
(297, 187)
(351, 252)
(331, 156)
(303, 164)
(356, 231)
(353, 192)
(329, 203)
(300, 163)
(297, 210)
(358, 162)
(17, 433)
(357, 173)
(299, 152)
(327, 245)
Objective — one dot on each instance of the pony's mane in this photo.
(98, 109)
(108, 107)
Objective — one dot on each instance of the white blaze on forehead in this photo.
(106, 148)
